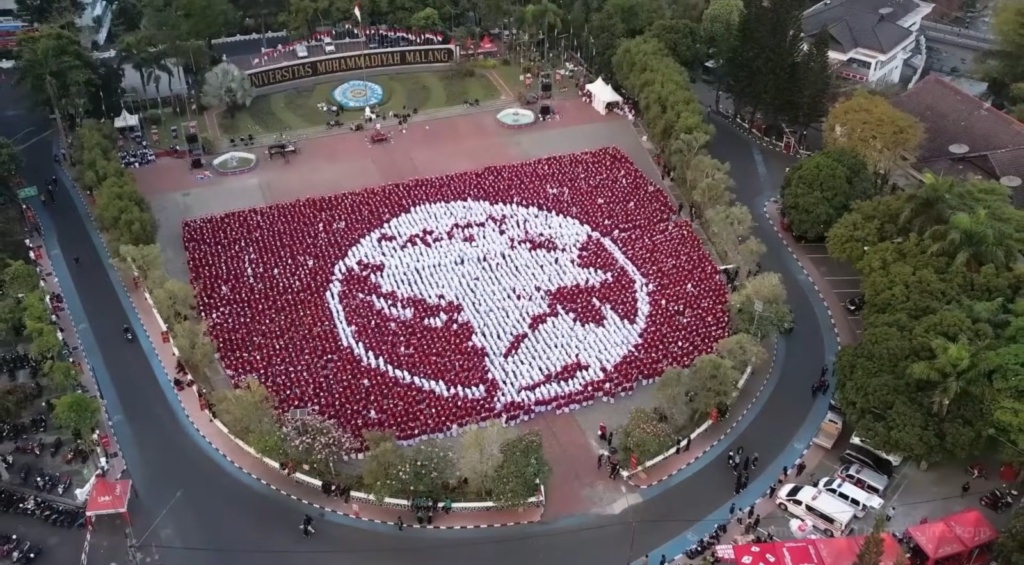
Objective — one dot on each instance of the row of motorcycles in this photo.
(12, 362)
(18, 550)
(706, 544)
(55, 514)
(998, 500)
(44, 481)
(14, 431)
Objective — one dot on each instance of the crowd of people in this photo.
(134, 151)
(438, 303)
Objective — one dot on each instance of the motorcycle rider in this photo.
(307, 526)
(127, 332)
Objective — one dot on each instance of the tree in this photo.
(383, 465)
(706, 184)
(426, 469)
(1003, 66)
(521, 470)
(316, 442)
(248, 412)
(146, 260)
(543, 18)
(816, 80)
(63, 376)
(870, 126)
(227, 86)
(1009, 548)
(819, 190)
(1008, 416)
(713, 382)
(11, 163)
(727, 227)
(52, 62)
(742, 350)
(196, 350)
(616, 21)
(868, 224)
(175, 301)
(975, 240)
(40, 12)
(426, 19)
(479, 453)
(873, 548)
(774, 317)
(20, 278)
(645, 435)
(954, 367)
(76, 412)
(681, 38)
(45, 343)
(673, 401)
(719, 24)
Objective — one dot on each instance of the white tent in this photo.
(602, 95)
(126, 120)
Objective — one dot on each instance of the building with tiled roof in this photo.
(869, 40)
(964, 136)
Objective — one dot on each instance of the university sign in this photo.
(365, 60)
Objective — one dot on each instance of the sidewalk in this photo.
(703, 442)
(280, 482)
(70, 335)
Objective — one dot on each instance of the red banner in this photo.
(633, 463)
(105, 442)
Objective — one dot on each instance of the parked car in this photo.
(855, 304)
(896, 460)
(329, 47)
(870, 459)
(300, 51)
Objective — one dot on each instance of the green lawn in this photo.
(297, 109)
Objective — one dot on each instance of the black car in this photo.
(869, 459)
(855, 304)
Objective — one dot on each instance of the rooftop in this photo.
(867, 24)
(994, 141)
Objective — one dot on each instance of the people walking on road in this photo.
(664, 560)
(746, 463)
(688, 439)
(772, 489)
(785, 473)
(744, 481)
(757, 521)
(736, 466)
(739, 451)
(611, 435)
(824, 370)
(732, 509)
(600, 460)
(76, 259)
(890, 513)
(800, 467)
(307, 526)
(814, 390)
(750, 512)
(965, 488)
(729, 458)
(753, 461)
(400, 523)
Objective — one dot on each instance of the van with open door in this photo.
(828, 514)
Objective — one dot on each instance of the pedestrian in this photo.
(736, 466)
(614, 475)
(687, 448)
(785, 473)
(610, 436)
(737, 489)
(824, 387)
(750, 512)
(771, 490)
(753, 461)
(890, 513)
(732, 509)
(757, 521)
(814, 390)
(679, 445)
(728, 458)
(744, 483)
(739, 519)
(400, 523)
(747, 528)
(75, 259)
(447, 505)
(739, 451)
(746, 463)
(602, 432)
(800, 467)
(664, 560)
(600, 460)
(307, 526)
(824, 370)
(965, 488)
(644, 561)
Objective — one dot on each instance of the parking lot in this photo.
(841, 280)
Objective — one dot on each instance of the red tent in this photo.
(973, 529)
(937, 540)
(486, 45)
(108, 497)
(825, 551)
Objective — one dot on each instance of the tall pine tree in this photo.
(873, 549)
(816, 81)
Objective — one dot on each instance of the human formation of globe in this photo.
(356, 94)
(442, 302)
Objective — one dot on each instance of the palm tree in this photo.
(932, 204)
(133, 50)
(52, 62)
(974, 240)
(543, 18)
(956, 367)
(226, 85)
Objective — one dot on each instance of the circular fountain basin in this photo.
(234, 163)
(358, 94)
(517, 117)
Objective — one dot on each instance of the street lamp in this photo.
(452, 10)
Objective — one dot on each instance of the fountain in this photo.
(517, 117)
(234, 162)
(358, 94)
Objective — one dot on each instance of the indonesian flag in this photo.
(359, 16)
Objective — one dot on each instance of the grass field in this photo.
(297, 109)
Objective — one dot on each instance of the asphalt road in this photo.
(220, 516)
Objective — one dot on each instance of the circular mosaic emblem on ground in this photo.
(356, 94)
(515, 278)
(438, 303)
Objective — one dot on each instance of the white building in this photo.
(93, 22)
(869, 40)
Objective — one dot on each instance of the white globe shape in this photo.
(499, 265)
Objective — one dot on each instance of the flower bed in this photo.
(426, 306)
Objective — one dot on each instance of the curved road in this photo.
(223, 517)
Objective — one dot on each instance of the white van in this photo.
(896, 460)
(329, 47)
(863, 478)
(301, 51)
(825, 512)
(860, 500)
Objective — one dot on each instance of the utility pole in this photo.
(129, 534)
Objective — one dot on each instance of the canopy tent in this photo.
(108, 497)
(955, 534)
(126, 120)
(824, 551)
(602, 95)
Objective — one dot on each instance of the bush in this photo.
(486, 63)
(154, 118)
(646, 434)
(460, 71)
(521, 469)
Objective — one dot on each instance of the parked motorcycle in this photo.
(977, 471)
(56, 446)
(999, 500)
